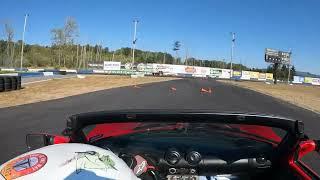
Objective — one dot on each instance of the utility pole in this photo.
(232, 46)
(134, 40)
(289, 67)
(186, 61)
(77, 55)
(164, 58)
(224, 63)
(24, 29)
(113, 55)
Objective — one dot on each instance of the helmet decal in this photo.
(23, 166)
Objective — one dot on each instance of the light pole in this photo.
(113, 55)
(232, 46)
(24, 29)
(289, 67)
(134, 41)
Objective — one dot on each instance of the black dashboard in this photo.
(189, 157)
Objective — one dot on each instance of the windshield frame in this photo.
(294, 128)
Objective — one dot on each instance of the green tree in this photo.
(58, 40)
(9, 33)
(63, 38)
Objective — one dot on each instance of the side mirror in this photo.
(317, 145)
(35, 141)
(302, 161)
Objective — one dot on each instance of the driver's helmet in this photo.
(67, 161)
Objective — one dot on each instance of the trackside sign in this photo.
(111, 65)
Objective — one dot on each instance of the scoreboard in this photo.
(276, 56)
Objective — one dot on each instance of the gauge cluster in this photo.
(181, 163)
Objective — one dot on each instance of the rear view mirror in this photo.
(35, 141)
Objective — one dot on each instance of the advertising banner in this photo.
(316, 81)
(269, 76)
(189, 69)
(167, 69)
(97, 71)
(226, 74)
(215, 72)
(111, 65)
(201, 71)
(254, 75)
(177, 69)
(128, 66)
(35, 70)
(7, 69)
(71, 70)
(298, 79)
(245, 75)
(262, 77)
(119, 72)
(308, 80)
(236, 74)
(95, 65)
(141, 67)
(48, 73)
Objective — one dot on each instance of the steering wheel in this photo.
(142, 166)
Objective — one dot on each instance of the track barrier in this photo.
(10, 83)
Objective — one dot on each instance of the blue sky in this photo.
(202, 26)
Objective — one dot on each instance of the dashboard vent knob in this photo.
(172, 157)
(193, 157)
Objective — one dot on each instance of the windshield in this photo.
(222, 138)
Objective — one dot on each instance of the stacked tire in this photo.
(10, 83)
(1, 83)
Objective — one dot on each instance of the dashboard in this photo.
(191, 157)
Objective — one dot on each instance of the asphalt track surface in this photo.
(50, 116)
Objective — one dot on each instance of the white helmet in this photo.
(67, 161)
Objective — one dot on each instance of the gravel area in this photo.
(307, 97)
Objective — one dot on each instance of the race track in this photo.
(50, 116)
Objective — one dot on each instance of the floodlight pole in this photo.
(134, 41)
(232, 47)
(113, 55)
(24, 29)
(275, 69)
(289, 67)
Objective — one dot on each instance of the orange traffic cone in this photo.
(173, 89)
(204, 90)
